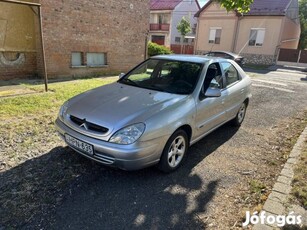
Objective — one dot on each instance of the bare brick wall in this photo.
(114, 27)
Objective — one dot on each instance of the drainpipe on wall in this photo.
(234, 44)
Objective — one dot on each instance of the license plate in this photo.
(80, 145)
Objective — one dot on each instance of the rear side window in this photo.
(230, 72)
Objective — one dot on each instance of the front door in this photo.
(210, 110)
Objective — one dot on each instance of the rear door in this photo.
(233, 91)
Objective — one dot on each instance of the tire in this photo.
(237, 121)
(174, 152)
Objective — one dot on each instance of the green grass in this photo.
(44, 103)
(299, 189)
(27, 121)
(256, 186)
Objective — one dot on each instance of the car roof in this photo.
(188, 58)
(226, 52)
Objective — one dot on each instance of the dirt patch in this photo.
(17, 91)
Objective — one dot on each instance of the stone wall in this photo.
(257, 59)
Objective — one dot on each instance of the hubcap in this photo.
(241, 113)
(176, 151)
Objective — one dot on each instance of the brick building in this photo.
(81, 37)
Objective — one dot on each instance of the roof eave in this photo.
(202, 9)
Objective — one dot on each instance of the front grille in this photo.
(82, 123)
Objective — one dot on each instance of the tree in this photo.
(183, 28)
(303, 20)
(242, 6)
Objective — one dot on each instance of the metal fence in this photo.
(292, 56)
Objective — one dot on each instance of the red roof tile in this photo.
(164, 4)
(261, 7)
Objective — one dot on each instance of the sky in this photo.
(202, 2)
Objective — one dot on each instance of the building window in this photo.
(186, 40)
(256, 37)
(215, 35)
(76, 59)
(178, 39)
(194, 28)
(96, 59)
(92, 59)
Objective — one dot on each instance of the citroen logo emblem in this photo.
(84, 125)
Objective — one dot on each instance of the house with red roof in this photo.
(164, 18)
(257, 35)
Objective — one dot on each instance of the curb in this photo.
(276, 204)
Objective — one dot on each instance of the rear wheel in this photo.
(174, 152)
(237, 121)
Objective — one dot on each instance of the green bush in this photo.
(155, 49)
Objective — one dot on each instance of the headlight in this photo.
(128, 135)
(63, 110)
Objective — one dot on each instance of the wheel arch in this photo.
(187, 129)
(246, 101)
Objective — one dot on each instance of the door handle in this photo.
(242, 90)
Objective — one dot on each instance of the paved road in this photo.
(199, 193)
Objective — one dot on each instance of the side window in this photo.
(230, 72)
(213, 78)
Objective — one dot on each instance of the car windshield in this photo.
(164, 75)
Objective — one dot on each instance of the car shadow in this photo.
(258, 71)
(62, 189)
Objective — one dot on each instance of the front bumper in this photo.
(128, 157)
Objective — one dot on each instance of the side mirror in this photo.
(121, 75)
(213, 92)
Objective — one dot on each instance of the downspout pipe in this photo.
(234, 44)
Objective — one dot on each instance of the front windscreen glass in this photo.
(165, 75)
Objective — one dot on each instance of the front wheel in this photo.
(174, 152)
(237, 121)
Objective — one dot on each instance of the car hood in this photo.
(117, 105)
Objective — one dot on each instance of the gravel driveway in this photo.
(211, 190)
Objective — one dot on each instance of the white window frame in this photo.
(212, 35)
(258, 38)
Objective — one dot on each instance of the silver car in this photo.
(152, 114)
